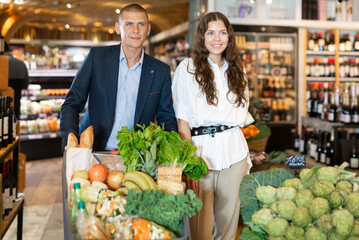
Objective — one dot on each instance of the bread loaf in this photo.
(72, 141)
(86, 140)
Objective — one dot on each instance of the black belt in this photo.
(209, 130)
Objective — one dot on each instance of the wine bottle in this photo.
(331, 45)
(321, 41)
(346, 111)
(2, 44)
(319, 147)
(296, 140)
(326, 106)
(330, 150)
(355, 107)
(311, 42)
(6, 190)
(13, 180)
(11, 119)
(356, 42)
(1, 122)
(323, 154)
(354, 156)
(5, 137)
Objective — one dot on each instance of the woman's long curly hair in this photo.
(203, 72)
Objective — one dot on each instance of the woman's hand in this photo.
(190, 184)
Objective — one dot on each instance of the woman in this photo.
(211, 102)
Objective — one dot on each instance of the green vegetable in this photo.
(294, 233)
(302, 217)
(266, 194)
(165, 209)
(355, 229)
(284, 208)
(262, 217)
(323, 188)
(145, 149)
(277, 226)
(345, 186)
(293, 182)
(286, 193)
(250, 204)
(336, 199)
(247, 234)
(304, 197)
(277, 157)
(343, 221)
(352, 203)
(318, 207)
(315, 233)
(325, 223)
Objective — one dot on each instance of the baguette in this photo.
(86, 140)
(72, 141)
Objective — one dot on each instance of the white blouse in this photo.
(227, 147)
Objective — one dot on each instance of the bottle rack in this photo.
(325, 126)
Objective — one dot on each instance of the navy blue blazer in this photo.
(97, 80)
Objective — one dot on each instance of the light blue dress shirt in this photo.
(127, 90)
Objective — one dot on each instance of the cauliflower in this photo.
(266, 194)
(293, 182)
(343, 221)
(304, 197)
(294, 233)
(262, 217)
(352, 203)
(284, 208)
(323, 188)
(329, 173)
(308, 177)
(302, 217)
(345, 186)
(355, 230)
(336, 199)
(318, 207)
(314, 233)
(285, 193)
(277, 226)
(325, 223)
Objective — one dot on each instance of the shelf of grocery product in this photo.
(39, 115)
(309, 52)
(349, 79)
(36, 136)
(40, 98)
(325, 125)
(349, 53)
(17, 211)
(321, 79)
(4, 152)
(52, 73)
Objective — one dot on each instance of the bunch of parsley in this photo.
(165, 209)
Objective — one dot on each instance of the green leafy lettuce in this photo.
(151, 146)
(250, 204)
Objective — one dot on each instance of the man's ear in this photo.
(117, 28)
(149, 29)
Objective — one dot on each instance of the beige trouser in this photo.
(219, 192)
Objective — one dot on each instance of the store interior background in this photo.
(53, 37)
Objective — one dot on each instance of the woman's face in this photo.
(216, 38)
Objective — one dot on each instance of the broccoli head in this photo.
(294, 233)
(313, 232)
(276, 227)
(343, 221)
(322, 188)
(304, 197)
(352, 203)
(325, 223)
(319, 207)
(302, 217)
(286, 193)
(266, 194)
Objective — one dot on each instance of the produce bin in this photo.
(67, 213)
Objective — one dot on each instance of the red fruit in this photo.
(114, 179)
(97, 172)
(114, 152)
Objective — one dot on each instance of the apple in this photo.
(114, 179)
(114, 152)
(98, 172)
(80, 174)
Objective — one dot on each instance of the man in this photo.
(124, 86)
(18, 78)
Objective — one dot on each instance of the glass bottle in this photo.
(323, 154)
(330, 150)
(13, 180)
(354, 156)
(346, 111)
(319, 147)
(11, 118)
(1, 121)
(6, 191)
(77, 197)
(2, 44)
(296, 140)
(6, 111)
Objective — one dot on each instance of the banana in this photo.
(149, 180)
(122, 191)
(129, 185)
(138, 179)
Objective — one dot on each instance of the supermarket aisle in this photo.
(43, 202)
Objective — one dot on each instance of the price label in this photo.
(35, 136)
(295, 162)
(53, 135)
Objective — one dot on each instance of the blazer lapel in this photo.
(112, 68)
(146, 80)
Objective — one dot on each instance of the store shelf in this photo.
(36, 136)
(36, 116)
(4, 152)
(320, 79)
(356, 79)
(309, 52)
(17, 210)
(324, 125)
(349, 53)
(40, 98)
(52, 73)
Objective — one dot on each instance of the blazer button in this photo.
(110, 123)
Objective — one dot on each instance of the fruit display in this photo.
(323, 203)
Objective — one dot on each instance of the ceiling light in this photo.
(67, 26)
(251, 1)
(268, 2)
(68, 5)
(118, 11)
(111, 31)
(19, 2)
(5, 1)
